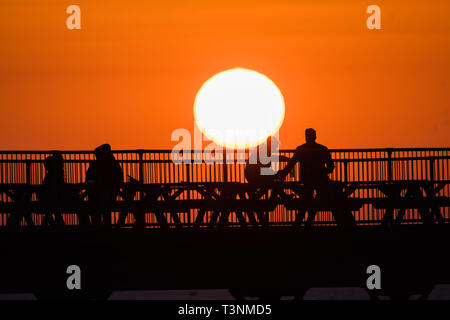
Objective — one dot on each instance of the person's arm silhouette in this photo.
(281, 175)
(329, 163)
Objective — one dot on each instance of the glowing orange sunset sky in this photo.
(130, 75)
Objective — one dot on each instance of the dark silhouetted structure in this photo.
(21, 196)
(400, 199)
(104, 178)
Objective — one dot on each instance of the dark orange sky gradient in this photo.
(130, 75)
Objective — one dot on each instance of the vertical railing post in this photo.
(188, 172)
(141, 171)
(188, 180)
(389, 152)
(27, 171)
(141, 166)
(345, 171)
(224, 168)
(431, 163)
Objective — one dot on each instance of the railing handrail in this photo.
(236, 160)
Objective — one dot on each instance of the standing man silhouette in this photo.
(315, 166)
(315, 161)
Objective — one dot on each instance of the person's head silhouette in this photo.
(310, 135)
(103, 152)
(58, 160)
(54, 163)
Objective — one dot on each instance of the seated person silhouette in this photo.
(256, 171)
(260, 173)
(315, 165)
(104, 178)
(52, 190)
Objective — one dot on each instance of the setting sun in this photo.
(239, 108)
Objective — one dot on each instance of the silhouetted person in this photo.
(315, 166)
(104, 178)
(315, 161)
(258, 172)
(252, 171)
(53, 188)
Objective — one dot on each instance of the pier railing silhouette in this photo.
(402, 182)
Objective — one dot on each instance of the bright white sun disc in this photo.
(239, 108)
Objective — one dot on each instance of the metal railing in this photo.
(156, 166)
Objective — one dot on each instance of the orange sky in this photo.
(130, 75)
